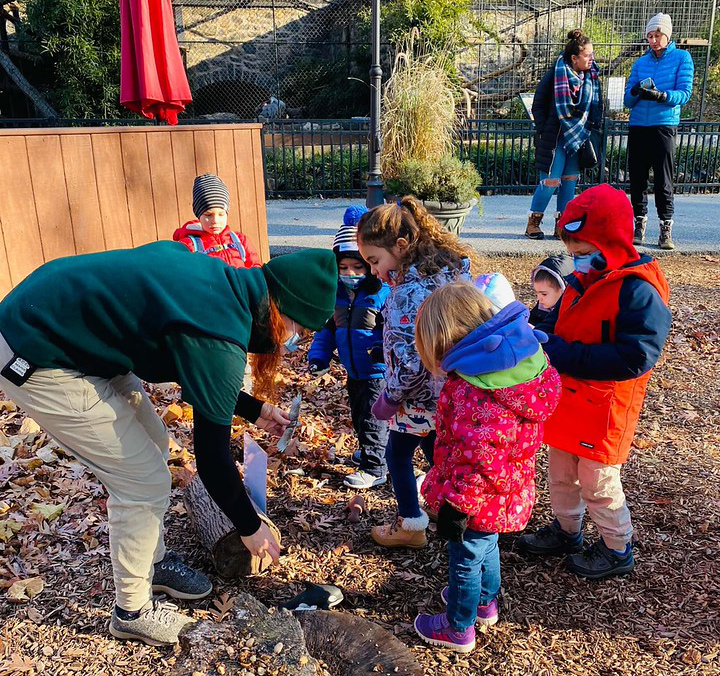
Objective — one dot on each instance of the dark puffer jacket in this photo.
(547, 123)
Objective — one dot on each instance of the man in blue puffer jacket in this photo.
(356, 332)
(660, 83)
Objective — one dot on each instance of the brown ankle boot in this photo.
(665, 241)
(533, 231)
(402, 533)
(556, 232)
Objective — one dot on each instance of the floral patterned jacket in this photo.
(485, 449)
(408, 382)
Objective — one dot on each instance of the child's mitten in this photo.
(451, 523)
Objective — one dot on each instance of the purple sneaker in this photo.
(486, 615)
(436, 630)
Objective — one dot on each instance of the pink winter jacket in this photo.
(485, 450)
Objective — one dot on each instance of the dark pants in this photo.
(372, 433)
(399, 454)
(652, 147)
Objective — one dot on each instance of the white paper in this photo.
(255, 472)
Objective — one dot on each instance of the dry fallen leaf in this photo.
(28, 426)
(8, 527)
(48, 511)
(24, 590)
(172, 413)
(223, 605)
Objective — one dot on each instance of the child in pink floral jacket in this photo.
(499, 390)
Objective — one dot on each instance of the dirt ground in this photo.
(664, 619)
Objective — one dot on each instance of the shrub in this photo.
(447, 180)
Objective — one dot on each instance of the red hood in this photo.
(194, 228)
(603, 216)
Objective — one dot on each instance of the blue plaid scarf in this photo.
(577, 100)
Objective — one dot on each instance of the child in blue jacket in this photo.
(355, 331)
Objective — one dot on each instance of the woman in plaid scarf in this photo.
(566, 107)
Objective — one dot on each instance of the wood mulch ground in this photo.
(56, 589)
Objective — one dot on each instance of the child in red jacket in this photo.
(605, 336)
(210, 234)
(499, 390)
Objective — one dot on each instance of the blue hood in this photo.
(500, 343)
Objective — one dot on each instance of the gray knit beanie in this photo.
(660, 22)
(209, 192)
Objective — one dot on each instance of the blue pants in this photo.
(474, 576)
(563, 164)
(399, 457)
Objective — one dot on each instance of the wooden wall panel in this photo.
(77, 190)
(163, 185)
(51, 203)
(77, 156)
(18, 214)
(112, 197)
(139, 190)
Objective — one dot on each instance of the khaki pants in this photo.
(577, 483)
(112, 428)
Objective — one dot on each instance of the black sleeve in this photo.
(642, 325)
(220, 476)
(548, 322)
(540, 100)
(248, 407)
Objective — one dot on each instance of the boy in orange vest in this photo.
(606, 334)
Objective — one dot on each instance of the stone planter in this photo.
(451, 214)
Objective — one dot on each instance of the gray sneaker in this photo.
(158, 624)
(361, 479)
(175, 578)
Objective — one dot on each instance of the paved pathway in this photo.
(297, 224)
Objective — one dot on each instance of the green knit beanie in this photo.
(304, 285)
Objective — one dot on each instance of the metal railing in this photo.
(329, 158)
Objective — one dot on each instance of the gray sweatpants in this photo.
(113, 429)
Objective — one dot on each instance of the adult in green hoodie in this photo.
(77, 337)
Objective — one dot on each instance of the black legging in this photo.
(652, 147)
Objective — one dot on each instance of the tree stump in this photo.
(353, 646)
(251, 640)
(217, 534)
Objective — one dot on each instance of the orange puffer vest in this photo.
(596, 419)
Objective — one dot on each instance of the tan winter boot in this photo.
(639, 232)
(556, 232)
(665, 241)
(402, 533)
(533, 231)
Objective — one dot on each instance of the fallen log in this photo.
(216, 533)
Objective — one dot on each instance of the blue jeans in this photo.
(474, 576)
(564, 165)
(399, 458)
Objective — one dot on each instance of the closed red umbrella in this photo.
(152, 75)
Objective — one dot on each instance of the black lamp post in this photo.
(375, 182)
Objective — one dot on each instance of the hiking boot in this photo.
(599, 561)
(157, 624)
(362, 479)
(486, 615)
(402, 533)
(533, 231)
(639, 231)
(436, 630)
(665, 240)
(556, 232)
(175, 578)
(551, 541)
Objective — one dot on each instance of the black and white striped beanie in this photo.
(345, 243)
(209, 192)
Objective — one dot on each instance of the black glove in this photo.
(653, 95)
(376, 354)
(635, 90)
(451, 523)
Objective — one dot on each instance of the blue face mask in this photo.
(590, 261)
(293, 342)
(352, 281)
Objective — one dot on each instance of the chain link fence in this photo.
(309, 58)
